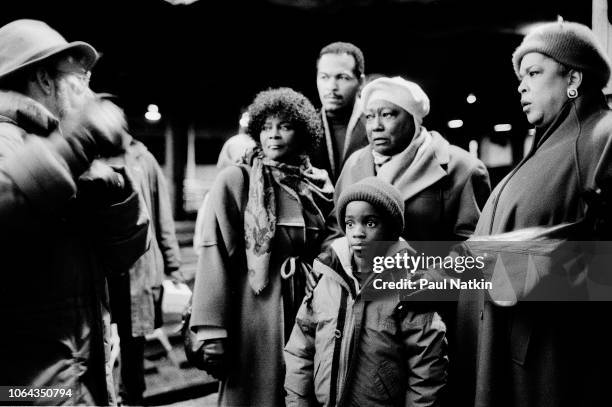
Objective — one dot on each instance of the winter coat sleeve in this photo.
(35, 176)
(472, 197)
(197, 233)
(222, 236)
(424, 336)
(299, 359)
(121, 228)
(165, 230)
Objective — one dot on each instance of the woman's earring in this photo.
(572, 93)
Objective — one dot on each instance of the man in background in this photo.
(137, 294)
(340, 74)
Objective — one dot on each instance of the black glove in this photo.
(193, 347)
(101, 186)
(213, 357)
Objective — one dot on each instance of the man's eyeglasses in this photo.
(84, 76)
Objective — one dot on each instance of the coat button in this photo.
(337, 333)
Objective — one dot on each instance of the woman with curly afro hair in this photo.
(294, 108)
(263, 226)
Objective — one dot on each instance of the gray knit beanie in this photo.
(571, 44)
(380, 194)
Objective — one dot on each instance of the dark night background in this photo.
(202, 62)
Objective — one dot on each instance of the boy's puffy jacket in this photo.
(347, 351)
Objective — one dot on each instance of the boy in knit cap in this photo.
(345, 350)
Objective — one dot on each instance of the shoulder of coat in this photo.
(462, 160)
(602, 129)
(232, 179)
(233, 174)
(11, 137)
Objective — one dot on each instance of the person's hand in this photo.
(176, 277)
(115, 345)
(97, 127)
(213, 357)
(101, 185)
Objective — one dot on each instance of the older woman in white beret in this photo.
(443, 187)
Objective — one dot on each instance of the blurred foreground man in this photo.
(64, 222)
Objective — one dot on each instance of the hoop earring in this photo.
(572, 93)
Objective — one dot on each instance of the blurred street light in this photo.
(244, 119)
(152, 113)
(502, 127)
(455, 124)
(181, 2)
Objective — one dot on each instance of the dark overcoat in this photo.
(55, 254)
(542, 354)
(257, 326)
(163, 256)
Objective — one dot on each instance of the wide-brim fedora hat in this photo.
(24, 43)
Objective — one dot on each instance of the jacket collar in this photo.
(568, 120)
(343, 274)
(26, 113)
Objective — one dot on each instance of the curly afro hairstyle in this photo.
(291, 106)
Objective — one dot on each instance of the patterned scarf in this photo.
(309, 185)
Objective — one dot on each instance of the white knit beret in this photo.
(571, 44)
(407, 95)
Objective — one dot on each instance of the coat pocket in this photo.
(387, 382)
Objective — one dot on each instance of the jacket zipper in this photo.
(345, 349)
(333, 391)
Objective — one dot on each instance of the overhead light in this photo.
(502, 127)
(181, 2)
(152, 113)
(473, 148)
(244, 119)
(455, 124)
(471, 98)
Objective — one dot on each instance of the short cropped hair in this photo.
(346, 48)
(291, 106)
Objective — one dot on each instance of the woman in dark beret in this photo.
(547, 353)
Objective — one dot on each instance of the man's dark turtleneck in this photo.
(338, 122)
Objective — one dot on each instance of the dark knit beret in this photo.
(380, 194)
(571, 44)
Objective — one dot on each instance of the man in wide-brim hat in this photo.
(64, 222)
